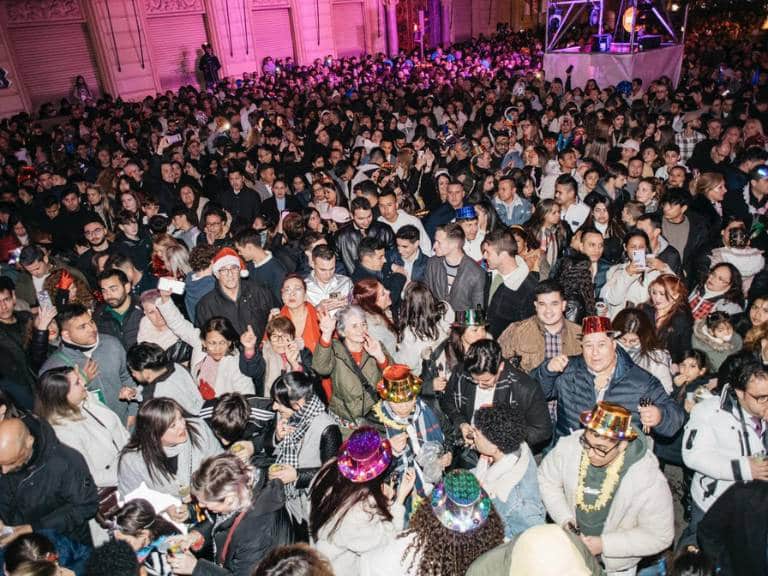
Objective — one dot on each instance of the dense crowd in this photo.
(391, 316)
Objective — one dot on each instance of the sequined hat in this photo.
(466, 213)
(471, 317)
(609, 420)
(398, 384)
(597, 324)
(363, 456)
(460, 503)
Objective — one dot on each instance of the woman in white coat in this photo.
(215, 364)
(82, 422)
(350, 513)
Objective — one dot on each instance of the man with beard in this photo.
(119, 315)
(95, 233)
(100, 358)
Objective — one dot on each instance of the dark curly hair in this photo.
(503, 425)
(443, 551)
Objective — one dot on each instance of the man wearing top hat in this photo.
(605, 372)
(604, 483)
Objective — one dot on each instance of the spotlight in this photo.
(675, 7)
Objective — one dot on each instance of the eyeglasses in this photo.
(759, 399)
(597, 450)
(276, 337)
(233, 270)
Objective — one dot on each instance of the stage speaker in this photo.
(649, 42)
(601, 42)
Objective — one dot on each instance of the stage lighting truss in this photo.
(632, 19)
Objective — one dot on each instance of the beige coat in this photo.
(526, 339)
(640, 522)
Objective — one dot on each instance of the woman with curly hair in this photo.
(508, 470)
(66, 288)
(575, 276)
(445, 535)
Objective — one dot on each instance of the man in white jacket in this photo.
(605, 483)
(725, 441)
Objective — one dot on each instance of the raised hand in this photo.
(327, 325)
(45, 317)
(373, 347)
(90, 370)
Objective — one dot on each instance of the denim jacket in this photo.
(513, 486)
(521, 211)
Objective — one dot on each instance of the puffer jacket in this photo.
(53, 490)
(749, 262)
(263, 527)
(526, 340)
(718, 442)
(352, 399)
(574, 388)
(640, 521)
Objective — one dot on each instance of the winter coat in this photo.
(263, 528)
(749, 261)
(251, 307)
(468, 287)
(622, 287)
(348, 240)
(98, 435)
(526, 340)
(53, 490)
(513, 486)
(675, 336)
(195, 289)
(178, 385)
(126, 331)
(113, 373)
(640, 521)
(715, 349)
(23, 347)
(513, 299)
(574, 389)
(229, 378)
(718, 443)
(132, 468)
(352, 399)
(360, 530)
(734, 531)
(411, 349)
(458, 402)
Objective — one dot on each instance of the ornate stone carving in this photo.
(32, 11)
(165, 6)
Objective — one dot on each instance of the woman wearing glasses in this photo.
(215, 364)
(283, 352)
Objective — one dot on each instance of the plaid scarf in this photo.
(700, 306)
(288, 450)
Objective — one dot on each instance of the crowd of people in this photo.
(381, 316)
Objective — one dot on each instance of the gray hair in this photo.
(347, 314)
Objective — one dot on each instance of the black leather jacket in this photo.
(348, 239)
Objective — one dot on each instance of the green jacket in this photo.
(351, 399)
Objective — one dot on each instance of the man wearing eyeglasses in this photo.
(725, 441)
(604, 484)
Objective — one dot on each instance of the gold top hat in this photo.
(609, 420)
(398, 384)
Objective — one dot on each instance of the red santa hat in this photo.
(227, 257)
